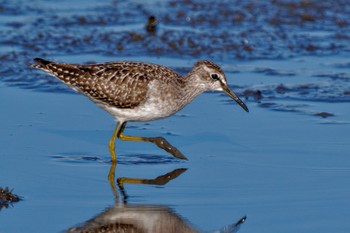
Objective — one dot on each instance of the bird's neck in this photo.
(190, 88)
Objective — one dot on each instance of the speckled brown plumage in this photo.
(149, 91)
(118, 84)
(136, 91)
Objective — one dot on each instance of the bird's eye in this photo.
(215, 76)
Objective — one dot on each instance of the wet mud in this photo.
(228, 33)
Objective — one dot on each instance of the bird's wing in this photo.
(116, 85)
(119, 84)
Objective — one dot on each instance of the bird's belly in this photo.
(161, 102)
(145, 112)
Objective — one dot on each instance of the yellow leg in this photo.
(159, 141)
(121, 135)
(111, 144)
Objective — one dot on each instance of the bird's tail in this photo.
(67, 73)
(40, 63)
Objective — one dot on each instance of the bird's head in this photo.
(211, 78)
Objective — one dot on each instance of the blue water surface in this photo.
(285, 164)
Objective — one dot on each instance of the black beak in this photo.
(228, 91)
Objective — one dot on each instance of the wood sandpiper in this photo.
(136, 91)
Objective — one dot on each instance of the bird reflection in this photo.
(143, 219)
(160, 180)
(139, 218)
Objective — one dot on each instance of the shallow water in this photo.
(285, 164)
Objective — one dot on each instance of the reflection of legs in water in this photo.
(114, 213)
(160, 180)
(111, 176)
(159, 141)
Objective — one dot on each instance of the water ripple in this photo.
(126, 159)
